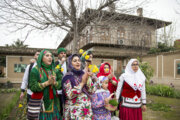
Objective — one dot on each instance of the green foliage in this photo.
(162, 90)
(6, 111)
(146, 69)
(17, 44)
(177, 44)
(3, 61)
(113, 102)
(8, 90)
(159, 107)
(22, 108)
(162, 47)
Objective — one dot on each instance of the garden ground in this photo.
(172, 114)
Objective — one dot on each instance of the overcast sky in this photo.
(159, 9)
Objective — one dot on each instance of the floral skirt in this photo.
(106, 116)
(51, 116)
(126, 113)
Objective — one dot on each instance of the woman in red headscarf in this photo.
(105, 70)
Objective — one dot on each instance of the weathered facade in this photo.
(116, 36)
(125, 33)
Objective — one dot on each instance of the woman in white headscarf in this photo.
(131, 90)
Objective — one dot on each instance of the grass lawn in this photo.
(174, 114)
(8, 100)
(5, 98)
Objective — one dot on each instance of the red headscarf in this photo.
(112, 88)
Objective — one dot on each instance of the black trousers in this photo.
(61, 104)
(28, 97)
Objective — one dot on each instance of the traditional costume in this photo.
(111, 87)
(38, 75)
(77, 103)
(98, 102)
(131, 89)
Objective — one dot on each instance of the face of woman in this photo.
(106, 69)
(135, 66)
(105, 84)
(47, 58)
(90, 57)
(76, 63)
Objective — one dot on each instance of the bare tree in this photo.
(64, 14)
(167, 35)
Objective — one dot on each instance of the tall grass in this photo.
(7, 110)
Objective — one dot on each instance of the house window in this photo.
(178, 68)
(18, 68)
(104, 33)
(120, 32)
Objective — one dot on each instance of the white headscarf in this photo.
(134, 79)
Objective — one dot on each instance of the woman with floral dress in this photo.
(77, 92)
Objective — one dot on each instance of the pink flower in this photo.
(44, 52)
(74, 111)
(91, 84)
(85, 110)
(74, 100)
(40, 75)
(75, 92)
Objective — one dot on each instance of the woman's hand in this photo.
(54, 80)
(108, 98)
(85, 77)
(143, 108)
(110, 76)
(50, 80)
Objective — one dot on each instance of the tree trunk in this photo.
(75, 39)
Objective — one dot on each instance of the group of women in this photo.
(82, 100)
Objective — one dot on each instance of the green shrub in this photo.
(162, 90)
(147, 69)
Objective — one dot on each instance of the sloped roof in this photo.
(22, 51)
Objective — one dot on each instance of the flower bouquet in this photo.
(58, 67)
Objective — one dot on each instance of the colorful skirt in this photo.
(106, 116)
(51, 116)
(126, 113)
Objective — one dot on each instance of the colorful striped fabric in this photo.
(34, 107)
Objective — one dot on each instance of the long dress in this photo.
(77, 103)
(50, 98)
(98, 106)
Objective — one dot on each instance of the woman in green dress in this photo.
(44, 81)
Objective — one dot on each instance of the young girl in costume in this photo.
(100, 99)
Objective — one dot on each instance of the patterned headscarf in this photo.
(101, 79)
